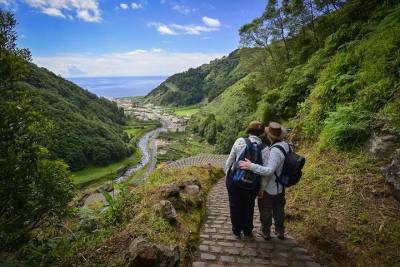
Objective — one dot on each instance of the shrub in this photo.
(346, 128)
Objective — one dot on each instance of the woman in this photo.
(271, 198)
(241, 201)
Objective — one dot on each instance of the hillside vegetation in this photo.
(329, 70)
(201, 84)
(87, 129)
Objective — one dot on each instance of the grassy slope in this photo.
(342, 212)
(88, 124)
(98, 239)
(186, 111)
(94, 173)
(340, 209)
(206, 81)
(182, 145)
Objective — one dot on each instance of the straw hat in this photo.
(276, 131)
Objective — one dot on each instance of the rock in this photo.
(193, 190)
(192, 196)
(168, 257)
(142, 253)
(380, 146)
(145, 254)
(194, 181)
(168, 211)
(171, 190)
(391, 173)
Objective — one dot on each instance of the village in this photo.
(148, 112)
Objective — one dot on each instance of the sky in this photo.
(78, 38)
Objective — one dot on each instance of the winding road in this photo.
(148, 148)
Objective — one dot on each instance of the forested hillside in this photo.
(329, 71)
(204, 83)
(87, 129)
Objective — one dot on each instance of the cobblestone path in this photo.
(218, 247)
(202, 160)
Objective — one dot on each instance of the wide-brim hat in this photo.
(276, 131)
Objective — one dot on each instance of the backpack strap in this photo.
(276, 175)
(281, 149)
(248, 143)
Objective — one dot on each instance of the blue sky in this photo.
(141, 37)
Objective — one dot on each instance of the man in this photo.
(241, 201)
(272, 194)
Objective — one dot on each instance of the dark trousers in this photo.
(241, 204)
(272, 206)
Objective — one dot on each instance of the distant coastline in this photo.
(119, 86)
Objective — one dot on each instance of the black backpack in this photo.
(291, 171)
(242, 178)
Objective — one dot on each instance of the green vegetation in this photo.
(180, 145)
(34, 188)
(102, 237)
(87, 129)
(135, 130)
(105, 173)
(203, 83)
(186, 111)
(329, 71)
(342, 211)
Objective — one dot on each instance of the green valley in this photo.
(86, 181)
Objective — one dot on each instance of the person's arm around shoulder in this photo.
(275, 159)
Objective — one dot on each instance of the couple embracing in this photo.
(253, 169)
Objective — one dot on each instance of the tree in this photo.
(278, 23)
(12, 59)
(32, 186)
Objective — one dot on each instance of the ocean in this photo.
(119, 86)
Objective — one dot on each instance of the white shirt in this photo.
(237, 149)
(273, 159)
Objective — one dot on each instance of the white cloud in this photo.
(162, 28)
(136, 62)
(53, 12)
(136, 6)
(182, 9)
(137, 51)
(179, 29)
(87, 10)
(123, 6)
(193, 29)
(211, 22)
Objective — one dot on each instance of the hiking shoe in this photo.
(266, 236)
(238, 237)
(248, 236)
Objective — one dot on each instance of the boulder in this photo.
(167, 256)
(142, 253)
(168, 211)
(169, 191)
(145, 254)
(192, 195)
(380, 145)
(193, 190)
(391, 173)
(194, 181)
